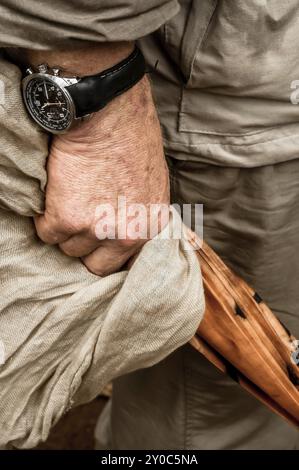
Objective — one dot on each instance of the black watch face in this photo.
(49, 104)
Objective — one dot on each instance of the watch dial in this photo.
(48, 104)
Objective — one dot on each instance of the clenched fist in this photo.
(117, 152)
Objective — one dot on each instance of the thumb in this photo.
(108, 258)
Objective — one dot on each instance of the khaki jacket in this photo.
(64, 332)
(222, 86)
(228, 66)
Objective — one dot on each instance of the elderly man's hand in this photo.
(116, 152)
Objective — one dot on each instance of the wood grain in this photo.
(242, 337)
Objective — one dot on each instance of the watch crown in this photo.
(29, 71)
(56, 71)
(42, 68)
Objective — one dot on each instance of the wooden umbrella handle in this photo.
(242, 337)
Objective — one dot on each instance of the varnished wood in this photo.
(240, 330)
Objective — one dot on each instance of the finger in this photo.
(131, 261)
(80, 245)
(108, 259)
(48, 231)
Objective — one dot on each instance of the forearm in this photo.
(117, 152)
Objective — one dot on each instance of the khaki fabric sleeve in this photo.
(39, 24)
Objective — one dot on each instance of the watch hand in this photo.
(46, 91)
(52, 104)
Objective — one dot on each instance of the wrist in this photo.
(123, 111)
(115, 135)
(79, 62)
(56, 101)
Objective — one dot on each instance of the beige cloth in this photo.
(228, 66)
(39, 24)
(184, 402)
(64, 332)
(222, 86)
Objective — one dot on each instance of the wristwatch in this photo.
(55, 102)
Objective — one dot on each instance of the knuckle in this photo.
(93, 268)
(70, 224)
(69, 250)
(128, 244)
(46, 232)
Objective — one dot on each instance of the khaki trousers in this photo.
(251, 220)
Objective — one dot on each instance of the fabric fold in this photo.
(64, 332)
(68, 23)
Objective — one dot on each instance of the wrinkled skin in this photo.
(116, 152)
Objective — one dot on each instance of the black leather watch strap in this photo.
(92, 93)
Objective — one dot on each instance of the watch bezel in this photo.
(62, 84)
